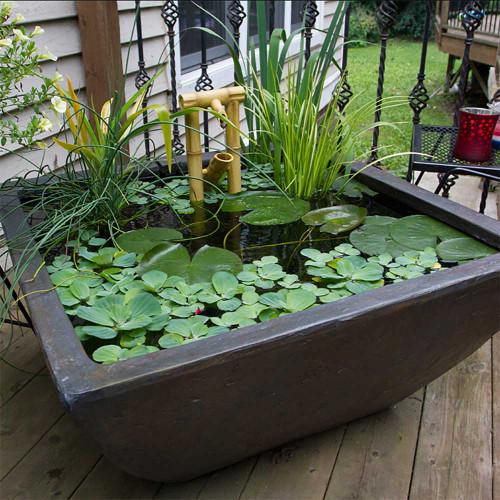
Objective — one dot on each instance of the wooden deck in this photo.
(443, 442)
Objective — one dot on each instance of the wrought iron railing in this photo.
(234, 13)
(491, 21)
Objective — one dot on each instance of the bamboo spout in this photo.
(226, 102)
(217, 167)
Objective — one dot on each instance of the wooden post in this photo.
(101, 50)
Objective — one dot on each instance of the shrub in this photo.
(363, 26)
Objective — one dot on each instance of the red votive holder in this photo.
(475, 131)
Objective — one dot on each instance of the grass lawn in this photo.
(402, 64)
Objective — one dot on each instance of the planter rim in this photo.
(67, 357)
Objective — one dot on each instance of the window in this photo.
(296, 15)
(190, 16)
(279, 16)
(287, 15)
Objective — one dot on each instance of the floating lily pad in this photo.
(267, 208)
(143, 240)
(175, 261)
(336, 219)
(462, 249)
(420, 231)
(375, 239)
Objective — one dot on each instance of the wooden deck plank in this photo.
(19, 363)
(106, 481)
(182, 491)
(495, 389)
(376, 457)
(54, 467)
(453, 459)
(299, 470)
(26, 418)
(228, 484)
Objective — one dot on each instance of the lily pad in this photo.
(175, 261)
(463, 249)
(374, 239)
(143, 240)
(267, 208)
(336, 219)
(420, 231)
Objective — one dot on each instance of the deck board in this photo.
(20, 363)
(454, 456)
(54, 467)
(381, 445)
(299, 470)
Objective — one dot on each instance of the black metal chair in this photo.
(433, 145)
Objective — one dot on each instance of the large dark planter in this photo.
(179, 413)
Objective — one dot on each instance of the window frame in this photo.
(222, 72)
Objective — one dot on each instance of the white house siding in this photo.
(59, 20)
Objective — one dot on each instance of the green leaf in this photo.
(66, 297)
(414, 232)
(125, 260)
(155, 279)
(362, 286)
(170, 340)
(142, 240)
(379, 220)
(144, 304)
(95, 315)
(171, 259)
(107, 354)
(101, 332)
(267, 207)
(273, 299)
(223, 281)
(462, 249)
(229, 305)
(299, 299)
(174, 260)
(134, 323)
(131, 339)
(336, 219)
(375, 239)
(209, 260)
(64, 277)
(80, 290)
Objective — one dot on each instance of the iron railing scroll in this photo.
(310, 12)
(204, 82)
(344, 92)
(235, 15)
(170, 15)
(142, 77)
(387, 13)
(471, 18)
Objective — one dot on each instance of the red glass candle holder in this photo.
(475, 132)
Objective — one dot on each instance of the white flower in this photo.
(37, 31)
(18, 18)
(57, 77)
(48, 56)
(6, 42)
(20, 35)
(58, 104)
(45, 125)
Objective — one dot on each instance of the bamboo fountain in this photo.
(226, 102)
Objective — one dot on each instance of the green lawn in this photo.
(402, 64)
